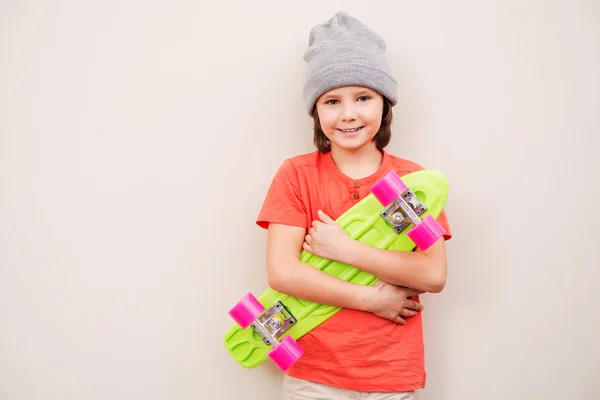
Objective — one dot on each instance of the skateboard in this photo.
(399, 214)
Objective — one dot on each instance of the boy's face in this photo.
(350, 116)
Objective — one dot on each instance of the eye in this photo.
(332, 102)
(363, 98)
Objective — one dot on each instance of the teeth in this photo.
(350, 130)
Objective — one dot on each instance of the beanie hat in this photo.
(345, 52)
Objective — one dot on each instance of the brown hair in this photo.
(381, 139)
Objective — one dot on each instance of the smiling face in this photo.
(350, 116)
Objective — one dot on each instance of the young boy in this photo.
(374, 345)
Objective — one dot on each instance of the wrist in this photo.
(348, 256)
(365, 298)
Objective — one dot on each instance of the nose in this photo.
(348, 113)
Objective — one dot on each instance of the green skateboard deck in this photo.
(362, 222)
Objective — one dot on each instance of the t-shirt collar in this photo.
(385, 167)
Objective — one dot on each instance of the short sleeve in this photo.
(283, 203)
(443, 220)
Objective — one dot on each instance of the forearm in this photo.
(306, 282)
(422, 271)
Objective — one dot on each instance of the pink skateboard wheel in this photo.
(286, 353)
(246, 311)
(426, 233)
(388, 188)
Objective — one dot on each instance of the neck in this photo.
(359, 163)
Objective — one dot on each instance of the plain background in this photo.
(138, 139)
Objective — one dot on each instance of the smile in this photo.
(350, 130)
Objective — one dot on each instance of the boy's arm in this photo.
(287, 274)
(425, 271)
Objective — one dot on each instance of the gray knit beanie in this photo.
(345, 52)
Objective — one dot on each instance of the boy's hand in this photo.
(393, 303)
(327, 239)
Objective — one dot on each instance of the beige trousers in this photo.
(299, 389)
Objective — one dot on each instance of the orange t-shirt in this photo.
(353, 350)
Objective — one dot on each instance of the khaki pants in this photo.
(298, 389)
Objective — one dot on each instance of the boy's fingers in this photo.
(408, 313)
(324, 217)
(413, 305)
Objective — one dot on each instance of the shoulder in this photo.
(303, 160)
(304, 164)
(404, 166)
(293, 169)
